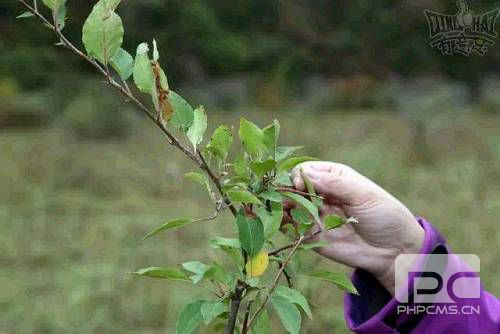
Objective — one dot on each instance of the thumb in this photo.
(337, 182)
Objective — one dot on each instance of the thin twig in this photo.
(221, 290)
(218, 210)
(247, 314)
(275, 281)
(125, 84)
(288, 278)
(215, 180)
(215, 293)
(306, 238)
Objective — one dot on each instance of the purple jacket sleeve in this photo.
(376, 311)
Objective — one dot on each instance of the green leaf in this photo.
(198, 128)
(58, 8)
(218, 242)
(251, 137)
(339, 279)
(197, 177)
(310, 189)
(262, 324)
(271, 195)
(251, 233)
(317, 244)
(61, 17)
(218, 273)
(271, 220)
(301, 216)
(260, 168)
(144, 77)
(294, 297)
(176, 223)
(54, 4)
(288, 314)
(123, 63)
(160, 272)
(229, 245)
(235, 256)
(183, 115)
(333, 221)
(253, 281)
(241, 166)
(25, 15)
(190, 318)
(242, 196)
(292, 162)
(283, 152)
(283, 178)
(270, 136)
(308, 183)
(109, 5)
(212, 309)
(236, 183)
(201, 179)
(308, 205)
(220, 142)
(197, 268)
(102, 32)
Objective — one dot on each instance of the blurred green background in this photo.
(83, 177)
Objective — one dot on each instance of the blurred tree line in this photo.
(287, 38)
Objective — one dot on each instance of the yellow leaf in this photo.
(257, 264)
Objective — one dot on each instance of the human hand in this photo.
(386, 227)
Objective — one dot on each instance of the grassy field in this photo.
(73, 213)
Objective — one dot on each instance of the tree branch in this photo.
(195, 156)
(247, 314)
(235, 306)
(275, 281)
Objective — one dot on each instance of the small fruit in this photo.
(257, 264)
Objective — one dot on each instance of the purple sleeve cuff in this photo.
(375, 310)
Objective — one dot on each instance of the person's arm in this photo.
(385, 230)
(374, 310)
